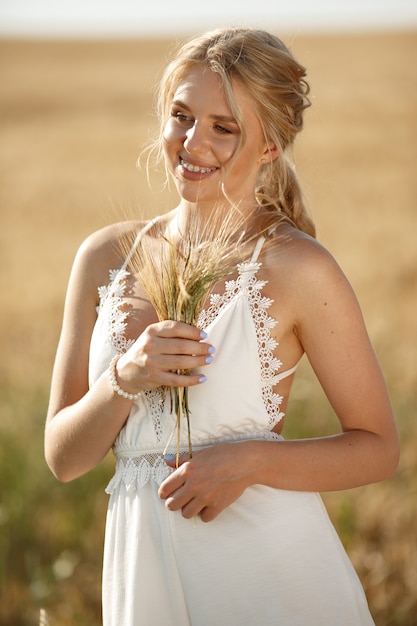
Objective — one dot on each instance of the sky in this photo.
(89, 18)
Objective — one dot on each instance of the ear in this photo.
(270, 153)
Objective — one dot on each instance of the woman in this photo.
(230, 104)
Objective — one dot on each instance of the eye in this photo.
(180, 116)
(222, 129)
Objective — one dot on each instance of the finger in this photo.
(178, 360)
(190, 510)
(172, 379)
(179, 499)
(170, 485)
(183, 347)
(151, 345)
(161, 370)
(175, 461)
(208, 514)
(195, 507)
(184, 338)
(171, 328)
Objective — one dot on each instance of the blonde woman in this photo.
(261, 548)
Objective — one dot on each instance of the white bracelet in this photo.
(115, 384)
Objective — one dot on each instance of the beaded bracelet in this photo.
(115, 384)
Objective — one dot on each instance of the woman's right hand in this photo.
(160, 352)
(79, 434)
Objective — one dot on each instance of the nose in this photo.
(195, 139)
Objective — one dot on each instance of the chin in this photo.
(193, 196)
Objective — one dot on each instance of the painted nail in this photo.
(169, 457)
(209, 359)
(211, 350)
(202, 379)
(203, 334)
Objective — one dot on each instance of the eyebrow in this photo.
(221, 118)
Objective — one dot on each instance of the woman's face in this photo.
(201, 137)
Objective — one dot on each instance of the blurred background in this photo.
(76, 106)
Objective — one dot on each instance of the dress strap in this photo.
(257, 249)
(282, 375)
(139, 236)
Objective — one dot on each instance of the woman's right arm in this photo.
(82, 424)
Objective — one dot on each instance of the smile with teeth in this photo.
(196, 168)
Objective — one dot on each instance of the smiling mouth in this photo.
(196, 168)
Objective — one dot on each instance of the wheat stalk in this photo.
(43, 618)
(177, 275)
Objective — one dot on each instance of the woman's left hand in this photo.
(208, 483)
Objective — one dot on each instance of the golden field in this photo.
(74, 116)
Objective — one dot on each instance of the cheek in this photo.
(172, 133)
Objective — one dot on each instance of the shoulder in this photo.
(306, 274)
(108, 242)
(300, 255)
(106, 249)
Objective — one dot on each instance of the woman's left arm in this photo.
(330, 326)
(331, 329)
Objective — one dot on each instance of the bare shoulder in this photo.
(106, 249)
(109, 241)
(299, 254)
(305, 274)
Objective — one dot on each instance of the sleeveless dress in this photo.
(272, 558)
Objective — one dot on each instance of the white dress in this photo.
(272, 558)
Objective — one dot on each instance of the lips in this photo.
(196, 168)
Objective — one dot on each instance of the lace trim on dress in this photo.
(156, 401)
(135, 471)
(111, 302)
(251, 286)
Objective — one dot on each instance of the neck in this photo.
(206, 224)
(220, 210)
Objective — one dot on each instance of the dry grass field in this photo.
(73, 118)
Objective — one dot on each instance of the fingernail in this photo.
(169, 457)
(211, 350)
(209, 359)
(203, 334)
(202, 379)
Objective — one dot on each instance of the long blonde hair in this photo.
(265, 67)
